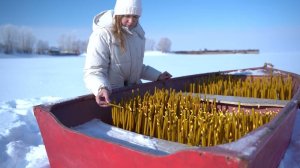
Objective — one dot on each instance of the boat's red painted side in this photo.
(68, 148)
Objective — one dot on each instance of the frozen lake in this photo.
(35, 76)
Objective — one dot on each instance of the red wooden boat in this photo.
(114, 147)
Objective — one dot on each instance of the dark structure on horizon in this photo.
(205, 51)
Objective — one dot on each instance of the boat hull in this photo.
(66, 147)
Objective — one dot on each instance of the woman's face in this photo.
(130, 21)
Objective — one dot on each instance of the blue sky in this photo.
(269, 25)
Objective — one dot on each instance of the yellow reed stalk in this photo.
(186, 119)
(114, 105)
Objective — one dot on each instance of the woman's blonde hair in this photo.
(117, 31)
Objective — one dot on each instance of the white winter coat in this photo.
(106, 65)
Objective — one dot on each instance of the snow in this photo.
(29, 80)
(21, 143)
(98, 129)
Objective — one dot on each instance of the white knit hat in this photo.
(128, 7)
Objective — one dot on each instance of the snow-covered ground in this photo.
(26, 82)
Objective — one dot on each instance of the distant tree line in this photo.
(163, 45)
(15, 39)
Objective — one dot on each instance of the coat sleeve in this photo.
(150, 73)
(97, 62)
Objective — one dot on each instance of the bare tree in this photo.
(164, 45)
(149, 46)
(66, 43)
(22, 40)
(17, 39)
(79, 46)
(82, 46)
(70, 44)
(1, 47)
(26, 41)
(42, 47)
(8, 36)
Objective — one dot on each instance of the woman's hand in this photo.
(164, 76)
(102, 98)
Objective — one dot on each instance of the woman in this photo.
(116, 50)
